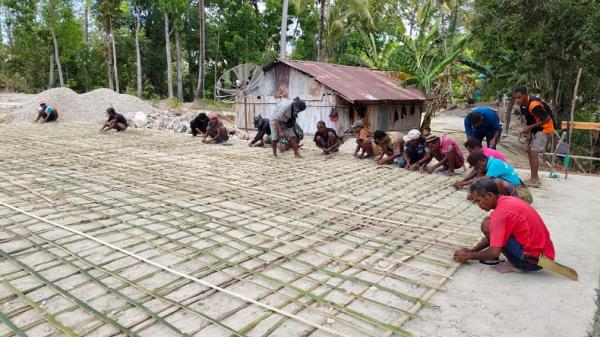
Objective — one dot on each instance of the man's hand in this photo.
(493, 143)
(526, 129)
(459, 184)
(431, 169)
(381, 162)
(462, 255)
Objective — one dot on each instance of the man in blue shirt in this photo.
(483, 122)
(507, 179)
(46, 113)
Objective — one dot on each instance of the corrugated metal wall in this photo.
(319, 101)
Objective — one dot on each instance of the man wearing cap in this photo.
(390, 145)
(483, 123)
(326, 138)
(364, 144)
(446, 151)
(414, 150)
(46, 113)
(216, 132)
(263, 128)
(283, 122)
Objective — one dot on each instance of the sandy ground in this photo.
(478, 301)
(483, 302)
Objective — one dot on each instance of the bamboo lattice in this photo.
(144, 233)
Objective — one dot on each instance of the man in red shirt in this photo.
(514, 229)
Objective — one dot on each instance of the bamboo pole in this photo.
(572, 117)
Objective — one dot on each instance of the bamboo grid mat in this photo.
(145, 233)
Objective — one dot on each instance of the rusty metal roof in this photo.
(356, 84)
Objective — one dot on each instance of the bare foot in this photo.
(532, 183)
(298, 156)
(506, 267)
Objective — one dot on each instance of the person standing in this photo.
(283, 123)
(483, 123)
(539, 128)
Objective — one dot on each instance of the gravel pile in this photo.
(85, 108)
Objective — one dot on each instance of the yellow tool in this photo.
(558, 268)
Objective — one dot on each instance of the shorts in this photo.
(514, 253)
(287, 132)
(120, 126)
(539, 141)
(52, 116)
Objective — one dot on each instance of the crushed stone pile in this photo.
(85, 108)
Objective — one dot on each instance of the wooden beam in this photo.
(582, 126)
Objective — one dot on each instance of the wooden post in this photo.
(573, 105)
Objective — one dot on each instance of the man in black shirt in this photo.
(263, 128)
(199, 124)
(326, 138)
(115, 121)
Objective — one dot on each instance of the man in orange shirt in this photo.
(540, 127)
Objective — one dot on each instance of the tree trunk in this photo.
(413, 18)
(51, 73)
(114, 50)
(168, 50)
(283, 32)
(138, 60)
(321, 29)
(1, 34)
(57, 58)
(111, 85)
(9, 35)
(85, 21)
(202, 31)
(179, 68)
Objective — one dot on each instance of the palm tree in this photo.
(283, 30)
(423, 61)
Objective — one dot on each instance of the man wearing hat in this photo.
(283, 122)
(46, 113)
(483, 122)
(446, 151)
(263, 128)
(414, 150)
(216, 132)
(363, 141)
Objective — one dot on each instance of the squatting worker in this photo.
(364, 143)
(216, 132)
(446, 151)
(483, 123)
(46, 113)
(514, 229)
(283, 122)
(326, 138)
(263, 128)
(390, 144)
(540, 127)
(199, 124)
(115, 121)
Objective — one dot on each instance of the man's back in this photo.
(498, 169)
(514, 217)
